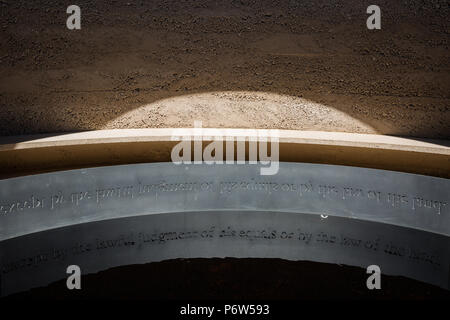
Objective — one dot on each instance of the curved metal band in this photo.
(41, 202)
(103, 217)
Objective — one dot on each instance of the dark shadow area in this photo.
(135, 54)
(235, 279)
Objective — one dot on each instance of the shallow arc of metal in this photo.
(55, 212)
(87, 195)
(100, 245)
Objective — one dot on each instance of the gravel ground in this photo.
(307, 65)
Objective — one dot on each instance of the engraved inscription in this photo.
(300, 236)
(129, 192)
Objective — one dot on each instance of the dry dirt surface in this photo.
(306, 65)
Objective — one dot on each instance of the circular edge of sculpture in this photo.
(209, 243)
(25, 155)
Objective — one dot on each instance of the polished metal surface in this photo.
(98, 218)
(40, 258)
(46, 201)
